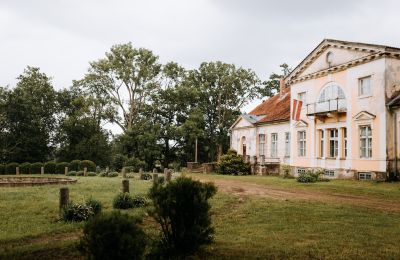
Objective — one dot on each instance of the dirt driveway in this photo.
(242, 188)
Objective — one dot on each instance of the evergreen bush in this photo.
(11, 168)
(75, 165)
(135, 164)
(95, 205)
(60, 167)
(91, 166)
(2, 169)
(76, 212)
(232, 164)
(25, 168)
(123, 201)
(36, 168)
(50, 167)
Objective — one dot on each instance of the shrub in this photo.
(25, 168)
(95, 205)
(129, 169)
(50, 167)
(123, 201)
(175, 165)
(79, 173)
(233, 164)
(36, 167)
(182, 210)
(130, 175)
(76, 212)
(307, 177)
(60, 167)
(91, 166)
(11, 168)
(75, 165)
(285, 171)
(103, 174)
(140, 201)
(91, 174)
(72, 173)
(146, 176)
(2, 169)
(135, 164)
(118, 161)
(112, 174)
(113, 236)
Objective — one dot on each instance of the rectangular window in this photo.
(287, 144)
(365, 141)
(329, 173)
(303, 97)
(301, 139)
(301, 171)
(364, 176)
(333, 143)
(321, 143)
(364, 86)
(274, 145)
(345, 141)
(261, 144)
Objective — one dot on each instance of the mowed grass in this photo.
(246, 227)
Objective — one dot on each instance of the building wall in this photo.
(348, 80)
(251, 133)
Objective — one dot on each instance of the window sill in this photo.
(364, 96)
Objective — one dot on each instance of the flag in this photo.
(296, 109)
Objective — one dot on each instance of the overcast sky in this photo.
(61, 37)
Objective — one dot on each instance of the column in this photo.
(326, 143)
(340, 143)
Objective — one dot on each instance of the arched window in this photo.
(243, 141)
(331, 92)
(331, 98)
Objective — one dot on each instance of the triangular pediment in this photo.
(364, 115)
(333, 55)
(241, 122)
(301, 123)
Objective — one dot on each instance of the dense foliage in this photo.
(233, 164)
(182, 210)
(76, 212)
(113, 236)
(123, 201)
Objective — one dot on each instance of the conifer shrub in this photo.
(50, 167)
(112, 174)
(91, 174)
(182, 209)
(25, 168)
(231, 163)
(2, 169)
(72, 173)
(36, 167)
(11, 168)
(95, 205)
(113, 236)
(60, 167)
(74, 212)
(91, 166)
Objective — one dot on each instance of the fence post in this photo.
(85, 171)
(64, 197)
(66, 170)
(155, 177)
(17, 170)
(42, 170)
(123, 172)
(125, 185)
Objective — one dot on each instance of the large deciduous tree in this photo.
(126, 77)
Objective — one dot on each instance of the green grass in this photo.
(246, 227)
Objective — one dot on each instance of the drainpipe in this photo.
(395, 145)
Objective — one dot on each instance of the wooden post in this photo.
(17, 170)
(125, 185)
(85, 171)
(64, 197)
(42, 170)
(155, 178)
(66, 171)
(195, 151)
(168, 176)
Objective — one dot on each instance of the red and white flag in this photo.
(296, 109)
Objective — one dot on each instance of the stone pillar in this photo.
(42, 170)
(85, 171)
(123, 172)
(64, 197)
(165, 170)
(155, 178)
(66, 171)
(326, 143)
(254, 159)
(107, 169)
(141, 170)
(168, 176)
(262, 159)
(17, 170)
(125, 186)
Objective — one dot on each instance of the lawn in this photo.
(247, 227)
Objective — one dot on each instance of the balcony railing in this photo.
(324, 107)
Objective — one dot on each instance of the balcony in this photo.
(324, 108)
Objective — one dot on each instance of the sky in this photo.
(62, 37)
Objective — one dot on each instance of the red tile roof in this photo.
(276, 108)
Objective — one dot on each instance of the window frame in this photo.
(333, 143)
(274, 145)
(261, 144)
(287, 144)
(365, 151)
(302, 96)
(301, 143)
(367, 176)
(361, 91)
(329, 173)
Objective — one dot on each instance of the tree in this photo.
(125, 71)
(271, 86)
(29, 112)
(224, 90)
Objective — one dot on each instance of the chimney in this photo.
(281, 86)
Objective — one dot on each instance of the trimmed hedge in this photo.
(60, 167)
(75, 165)
(11, 168)
(50, 167)
(2, 169)
(25, 168)
(91, 166)
(36, 167)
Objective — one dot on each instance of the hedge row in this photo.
(49, 167)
